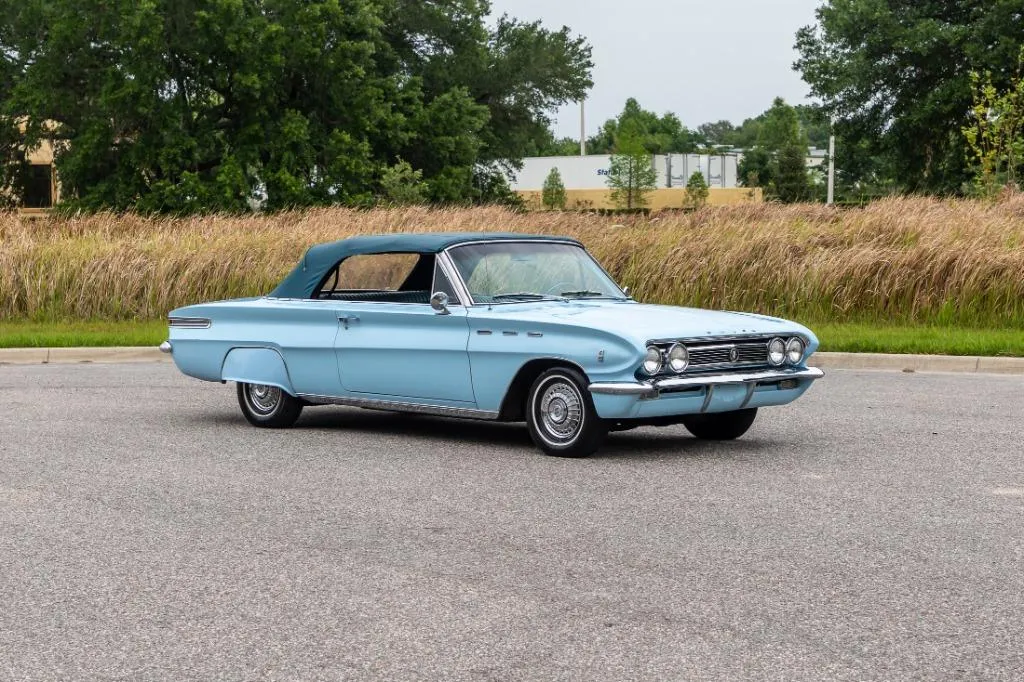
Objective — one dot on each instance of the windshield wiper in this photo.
(526, 296)
(588, 294)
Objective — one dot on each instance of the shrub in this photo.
(553, 192)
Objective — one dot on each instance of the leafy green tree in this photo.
(553, 192)
(717, 133)
(995, 135)
(815, 124)
(631, 176)
(551, 146)
(696, 190)
(780, 127)
(518, 72)
(757, 168)
(401, 185)
(656, 134)
(896, 75)
(202, 105)
(777, 161)
(791, 182)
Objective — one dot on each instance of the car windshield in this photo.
(510, 272)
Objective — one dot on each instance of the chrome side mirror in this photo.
(625, 290)
(439, 302)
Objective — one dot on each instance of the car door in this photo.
(404, 350)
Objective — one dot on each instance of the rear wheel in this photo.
(721, 425)
(268, 406)
(561, 416)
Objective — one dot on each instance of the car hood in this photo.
(643, 322)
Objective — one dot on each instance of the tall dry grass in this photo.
(901, 260)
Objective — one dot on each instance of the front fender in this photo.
(257, 366)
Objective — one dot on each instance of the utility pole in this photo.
(831, 164)
(583, 129)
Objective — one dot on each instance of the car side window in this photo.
(381, 278)
(443, 284)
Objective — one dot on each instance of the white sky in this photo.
(704, 60)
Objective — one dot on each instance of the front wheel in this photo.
(721, 425)
(561, 416)
(268, 406)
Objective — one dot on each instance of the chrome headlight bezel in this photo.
(652, 356)
(795, 344)
(777, 352)
(678, 358)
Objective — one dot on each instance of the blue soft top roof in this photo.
(319, 259)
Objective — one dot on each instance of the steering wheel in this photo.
(559, 287)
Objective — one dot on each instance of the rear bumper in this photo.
(651, 390)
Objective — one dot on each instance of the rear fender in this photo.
(257, 366)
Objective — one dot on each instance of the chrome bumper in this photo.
(166, 347)
(654, 388)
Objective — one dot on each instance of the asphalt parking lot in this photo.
(873, 530)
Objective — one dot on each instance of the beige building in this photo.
(42, 189)
(657, 200)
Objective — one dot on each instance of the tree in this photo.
(553, 192)
(401, 185)
(202, 105)
(777, 161)
(656, 134)
(696, 190)
(780, 127)
(718, 133)
(757, 168)
(631, 176)
(518, 72)
(551, 146)
(791, 183)
(896, 75)
(995, 135)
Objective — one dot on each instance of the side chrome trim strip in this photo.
(398, 406)
(189, 322)
(652, 389)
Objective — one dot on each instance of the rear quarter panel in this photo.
(302, 332)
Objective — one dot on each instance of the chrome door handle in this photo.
(345, 319)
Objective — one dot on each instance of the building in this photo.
(586, 179)
(42, 188)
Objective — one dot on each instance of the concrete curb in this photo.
(73, 356)
(873, 361)
(919, 363)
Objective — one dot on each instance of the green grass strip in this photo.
(835, 336)
(925, 340)
(78, 334)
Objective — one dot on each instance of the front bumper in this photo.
(653, 389)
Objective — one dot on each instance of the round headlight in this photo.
(678, 358)
(795, 350)
(776, 352)
(652, 361)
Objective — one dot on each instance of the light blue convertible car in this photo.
(505, 327)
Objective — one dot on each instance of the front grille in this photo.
(740, 354)
(719, 354)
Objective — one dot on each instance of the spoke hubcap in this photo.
(263, 399)
(561, 411)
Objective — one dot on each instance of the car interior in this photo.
(416, 285)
